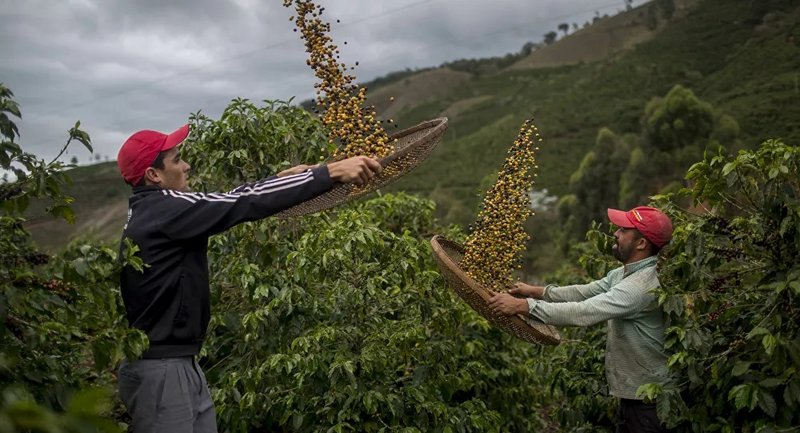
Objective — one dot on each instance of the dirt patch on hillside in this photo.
(601, 39)
(464, 105)
(415, 90)
(103, 224)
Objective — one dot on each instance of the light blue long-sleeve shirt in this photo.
(636, 323)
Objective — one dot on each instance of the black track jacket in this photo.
(170, 299)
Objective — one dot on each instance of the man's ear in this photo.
(642, 243)
(151, 175)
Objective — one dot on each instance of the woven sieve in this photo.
(448, 254)
(413, 145)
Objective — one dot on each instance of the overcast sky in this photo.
(120, 66)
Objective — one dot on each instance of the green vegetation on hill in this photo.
(741, 57)
(101, 201)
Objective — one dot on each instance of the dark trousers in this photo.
(636, 416)
(166, 396)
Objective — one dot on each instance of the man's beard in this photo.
(620, 254)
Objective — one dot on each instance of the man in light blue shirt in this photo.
(624, 298)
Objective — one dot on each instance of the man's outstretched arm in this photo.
(188, 215)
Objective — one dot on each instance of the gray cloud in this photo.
(120, 66)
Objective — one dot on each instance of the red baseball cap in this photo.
(141, 149)
(651, 222)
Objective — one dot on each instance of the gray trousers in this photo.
(167, 395)
(636, 416)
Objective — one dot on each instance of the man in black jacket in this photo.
(166, 390)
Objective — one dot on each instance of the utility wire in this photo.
(152, 114)
(217, 61)
(384, 59)
(250, 53)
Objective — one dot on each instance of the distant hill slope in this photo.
(743, 57)
(605, 37)
(417, 89)
(101, 206)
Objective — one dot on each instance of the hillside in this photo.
(101, 205)
(607, 36)
(421, 88)
(742, 57)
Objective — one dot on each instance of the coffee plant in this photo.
(62, 327)
(339, 321)
(730, 285)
